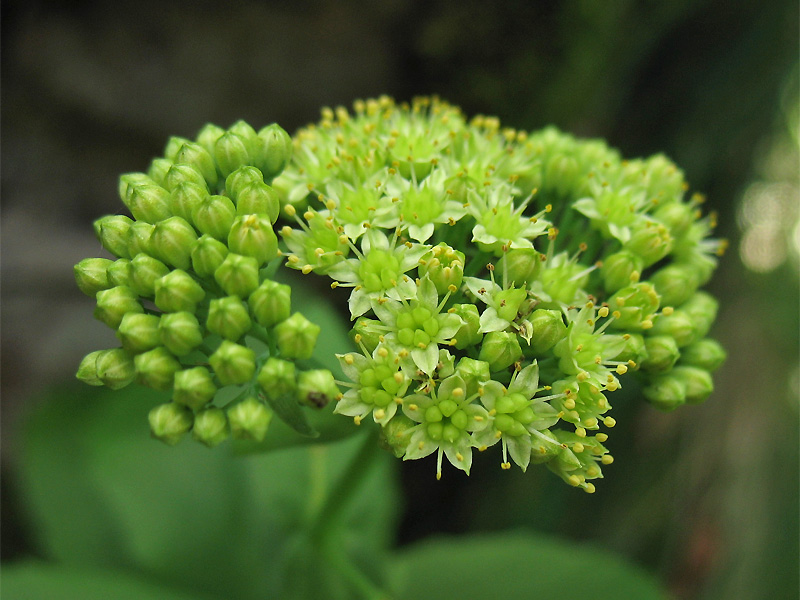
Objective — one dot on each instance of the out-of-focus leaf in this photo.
(101, 492)
(515, 565)
(36, 581)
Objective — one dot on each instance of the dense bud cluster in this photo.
(190, 293)
(502, 284)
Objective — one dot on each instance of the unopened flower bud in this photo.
(180, 332)
(144, 271)
(138, 332)
(258, 198)
(444, 267)
(296, 337)
(87, 370)
(193, 388)
(276, 150)
(156, 368)
(702, 309)
(249, 420)
(706, 354)
(678, 325)
(181, 173)
(508, 302)
(130, 180)
(207, 137)
(172, 241)
(119, 273)
(197, 156)
(157, 172)
(561, 174)
(173, 145)
(665, 392)
(242, 178)
(185, 198)
(468, 334)
(698, 383)
(113, 304)
(547, 327)
(651, 243)
(169, 422)
(252, 235)
(675, 283)
(210, 427)
(277, 377)
(214, 216)
(233, 364)
(271, 302)
(500, 349)
(177, 291)
(662, 353)
(473, 372)
(618, 270)
(91, 275)
(139, 238)
(678, 216)
(231, 152)
(207, 255)
(112, 231)
(396, 434)
(228, 317)
(115, 368)
(237, 275)
(316, 388)
(632, 347)
(520, 266)
(634, 306)
(149, 203)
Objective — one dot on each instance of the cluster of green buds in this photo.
(191, 295)
(502, 283)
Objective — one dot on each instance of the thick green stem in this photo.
(326, 529)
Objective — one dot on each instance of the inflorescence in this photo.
(502, 284)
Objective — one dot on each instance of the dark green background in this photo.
(706, 497)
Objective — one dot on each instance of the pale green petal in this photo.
(520, 450)
(491, 322)
(359, 303)
(587, 207)
(420, 445)
(447, 386)
(427, 294)
(485, 438)
(478, 417)
(460, 453)
(526, 381)
(426, 359)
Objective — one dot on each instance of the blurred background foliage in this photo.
(706, 497)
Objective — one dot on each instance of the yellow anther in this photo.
(607, 459)
(505, 466)
(306, 269)
(308, 215)
(290, 210)
(357, 420)
(632, 364)
(593, 471)
(647, 324)
(357, 338)
(620, 300)
(478, 419)
(667, 311)
(635, 275)
(482, 448)
(609, 421)
(589, 489)
(293, 259)
(399, 402)
(319, 252)
(334, 285)
(582, 376)
(330, 204)
(383, 352)
(574, 480)
(413, 407)
(621, 369)
(459, 457)
(578, 447)
(616, 314)
(569, 403)
(286, 231)
(498, 434)
(458, 392)
(348, 359)
(601, 437)
(603, 312)
(380, 413)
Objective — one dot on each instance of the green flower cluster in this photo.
(502, 283)
(190, 293)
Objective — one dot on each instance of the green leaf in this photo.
(515, 565)
(34, 581)
(291, 413)
(102, 493)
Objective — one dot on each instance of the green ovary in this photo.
(379, 270)
(417, 327)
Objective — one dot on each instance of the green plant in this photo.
(502, 286)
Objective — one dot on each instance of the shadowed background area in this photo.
(706, 497)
